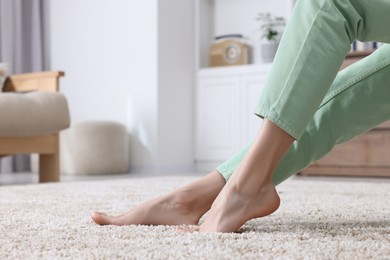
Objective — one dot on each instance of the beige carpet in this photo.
(317, 220)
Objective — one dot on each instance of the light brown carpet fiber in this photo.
(317, 220)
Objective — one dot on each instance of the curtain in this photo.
(21, 46)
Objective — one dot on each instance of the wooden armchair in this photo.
(47, 143)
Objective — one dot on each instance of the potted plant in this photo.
(271, 31)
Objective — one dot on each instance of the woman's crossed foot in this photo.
(233, 208)
(166, 210)
(184, 206)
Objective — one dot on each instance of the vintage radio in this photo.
(228, 50)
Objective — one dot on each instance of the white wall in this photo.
(89, 42)
(129, 61)
(232, 16)
(176, 68)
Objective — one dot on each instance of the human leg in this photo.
(304, 68)
(356, 102)
(314, 45)
(183, 206)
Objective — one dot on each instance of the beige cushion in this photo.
(33, 114)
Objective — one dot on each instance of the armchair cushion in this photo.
(32, 114)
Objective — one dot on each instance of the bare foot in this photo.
(233, 208)
(250, 193)
(184, 206)
(167, 210)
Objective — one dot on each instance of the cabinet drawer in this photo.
(368, 150)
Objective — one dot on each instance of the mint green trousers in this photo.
(307, 97)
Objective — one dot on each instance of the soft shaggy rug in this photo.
(317, 220)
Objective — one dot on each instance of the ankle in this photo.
(266, 196)
(252, 188)
(180, 200)
(186, 200)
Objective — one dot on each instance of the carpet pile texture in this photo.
(317, 220)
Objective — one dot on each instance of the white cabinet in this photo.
(225, 102)
(251, 86)
(217, 117)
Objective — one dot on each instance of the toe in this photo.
(101, 218)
